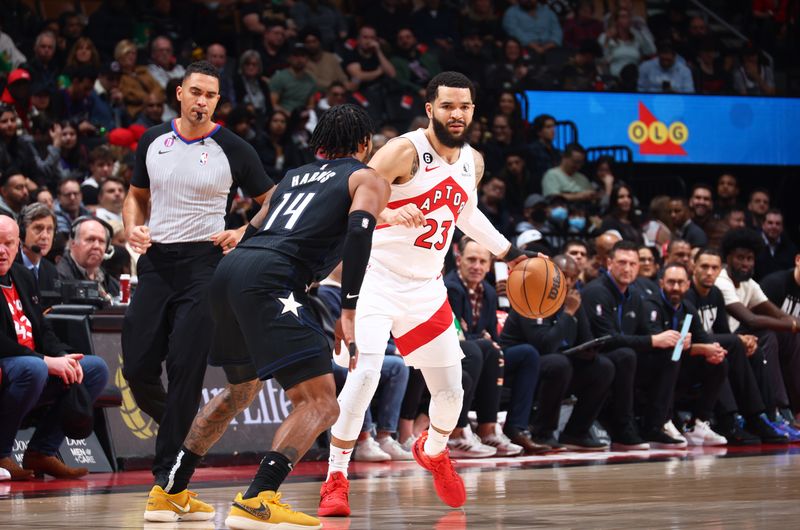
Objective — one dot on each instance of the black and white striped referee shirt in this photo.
(192, 180)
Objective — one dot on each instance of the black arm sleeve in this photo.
(246, 168)
(357, 246)
(141, 178)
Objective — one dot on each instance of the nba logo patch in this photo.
(169, 141)
(653, 315)
(203, 158)
(599, 310)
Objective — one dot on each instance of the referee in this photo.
(174, 213)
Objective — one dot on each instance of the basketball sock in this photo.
(181, 473)
(271, 473)
(338, 460)
(435, 443)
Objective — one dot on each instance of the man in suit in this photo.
(37, 227)
(37, 368)
(89, 241)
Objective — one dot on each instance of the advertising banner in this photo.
(680, 129)
(133, 432)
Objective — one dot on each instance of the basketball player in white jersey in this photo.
(434, 175)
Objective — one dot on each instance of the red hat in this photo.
(18, 74)
(121, 136)
(138, 130)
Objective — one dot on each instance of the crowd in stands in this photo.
(78, 92)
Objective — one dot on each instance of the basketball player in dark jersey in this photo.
(320, 214)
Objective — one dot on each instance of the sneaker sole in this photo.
(333, 512)
(585, 449)
(459, 454)
(234, 522)
(656, 445)
(632, 447)
(168, 516)
(509, 453)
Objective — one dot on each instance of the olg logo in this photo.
(654, 137)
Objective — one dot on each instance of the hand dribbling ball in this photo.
(536, 288)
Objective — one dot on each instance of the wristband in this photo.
(249, 232)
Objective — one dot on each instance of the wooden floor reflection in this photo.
(704, 491)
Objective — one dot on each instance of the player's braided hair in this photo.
(341, 130)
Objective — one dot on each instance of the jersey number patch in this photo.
(426, 239)
(294, 210)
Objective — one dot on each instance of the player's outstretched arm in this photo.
(370, 194)
(135, 211)
(475, 224)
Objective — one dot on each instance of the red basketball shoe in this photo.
(449, 486)
(333, 496)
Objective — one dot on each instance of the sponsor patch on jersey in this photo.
(169, 141)
(427, 158)
(204, 158)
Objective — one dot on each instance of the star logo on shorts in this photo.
(290, 305)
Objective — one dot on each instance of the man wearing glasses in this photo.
(69, 205)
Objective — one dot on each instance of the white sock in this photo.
(338, 460)
(436, 442)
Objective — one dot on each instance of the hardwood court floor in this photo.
(702, 489)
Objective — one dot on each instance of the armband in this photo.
(357, 246)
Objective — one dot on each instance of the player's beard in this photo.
(447, 138)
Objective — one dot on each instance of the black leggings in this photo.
(482, 379)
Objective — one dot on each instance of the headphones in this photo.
(73, 232)
(33, 209)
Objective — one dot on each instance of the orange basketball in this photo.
(536, 288)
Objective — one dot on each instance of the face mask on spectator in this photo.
(558, 214)
(577, 224)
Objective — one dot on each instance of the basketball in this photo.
(536, 288)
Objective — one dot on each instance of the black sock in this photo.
(181, 472)
(271, 473)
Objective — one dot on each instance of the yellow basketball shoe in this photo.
(163, 507)
(267, 512)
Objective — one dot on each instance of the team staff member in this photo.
(187, 168)
(702, 361)
(589, 376)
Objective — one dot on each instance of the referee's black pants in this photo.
(169, 319)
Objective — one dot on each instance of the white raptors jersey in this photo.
(440, 190)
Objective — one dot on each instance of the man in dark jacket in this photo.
(613, 309)
(29, 354)
(37, 225)
(89, 240)
(474, 304)
(701, 363)
(588, 376)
